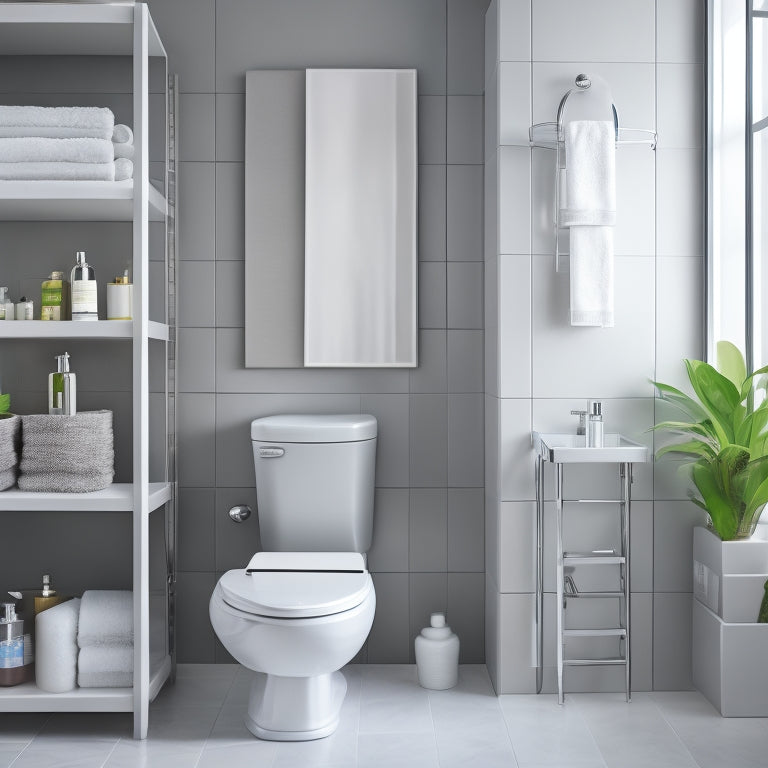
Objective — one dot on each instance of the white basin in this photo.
(572, 449)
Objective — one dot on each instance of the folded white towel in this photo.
(58, 171)
(56, 647)
(94, 122)
(40, 150)
(589, 210)
(590, 157)
(123, 169)
(106, 617)
(592, 276)
(123, 150)
(122, 134)
(105, 666)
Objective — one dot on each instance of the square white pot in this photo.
(729, 663)
(728, 576)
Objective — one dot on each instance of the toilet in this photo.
(302, 608)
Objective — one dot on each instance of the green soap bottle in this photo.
(762, 617)
(62, 389)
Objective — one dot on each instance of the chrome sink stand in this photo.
(566, 586)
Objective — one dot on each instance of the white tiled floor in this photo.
(388, 720)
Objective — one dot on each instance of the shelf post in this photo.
(140, 373)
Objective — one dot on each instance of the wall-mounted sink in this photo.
(569, 448)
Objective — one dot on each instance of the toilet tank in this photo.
(315, 481)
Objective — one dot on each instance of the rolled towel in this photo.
(94, 122)
(57, 171)
(123, 169)
(56, 647)
(35, 149)
(122, 134)
(105, 666)
(106, 618)
(123, 150)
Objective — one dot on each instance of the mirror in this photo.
(331, 218)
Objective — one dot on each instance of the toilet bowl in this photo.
(298, 617)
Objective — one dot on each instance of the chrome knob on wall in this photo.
(240, 513)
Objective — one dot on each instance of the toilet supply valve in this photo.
(582, 428)
(240, 513)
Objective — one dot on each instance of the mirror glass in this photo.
(360, 218)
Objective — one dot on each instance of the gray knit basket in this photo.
(10, 445)
(67, 454)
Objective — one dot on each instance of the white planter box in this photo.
(728, 576)
(729, 663)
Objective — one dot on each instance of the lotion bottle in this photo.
(62, 389)
(595, 426)
(119, 298)
(84, 299)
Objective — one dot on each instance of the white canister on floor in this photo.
(437, 655)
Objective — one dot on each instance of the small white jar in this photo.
(437, 655)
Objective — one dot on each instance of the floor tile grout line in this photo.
(30, 742)
(111, 752)
(669, 724)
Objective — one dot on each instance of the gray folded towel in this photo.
(57, 171)
(8, 478)
(96, 122)
(64, 482)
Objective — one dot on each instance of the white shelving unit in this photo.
(92, 29)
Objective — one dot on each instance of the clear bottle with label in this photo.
(12, 670)
(84, 298)
(3, 299)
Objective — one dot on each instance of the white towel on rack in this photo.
(43, 150)
(590, 212)
(57, 122)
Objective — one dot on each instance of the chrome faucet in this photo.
(582, 428)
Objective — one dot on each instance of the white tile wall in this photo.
(658, 314)
(594, 30)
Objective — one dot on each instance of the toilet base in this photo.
(295, 708)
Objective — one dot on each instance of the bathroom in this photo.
(455, 513)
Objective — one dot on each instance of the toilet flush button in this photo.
(271, 453)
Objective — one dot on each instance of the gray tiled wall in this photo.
(428, 551)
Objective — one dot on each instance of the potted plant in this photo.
(726, 439)
(10, 434)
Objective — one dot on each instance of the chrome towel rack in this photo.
(589, 100)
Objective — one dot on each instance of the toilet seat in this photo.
(295, 585)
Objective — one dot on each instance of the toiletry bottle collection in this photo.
(17, 632)
(75, 299)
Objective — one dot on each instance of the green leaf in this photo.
(693, 447)
(746, 387)
(681, 400)
(718, 396)
(717, 504)
(730, 362)
(5, 403)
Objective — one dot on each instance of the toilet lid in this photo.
(298, 584)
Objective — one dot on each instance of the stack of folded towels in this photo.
(70, 143)
(105, 639)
